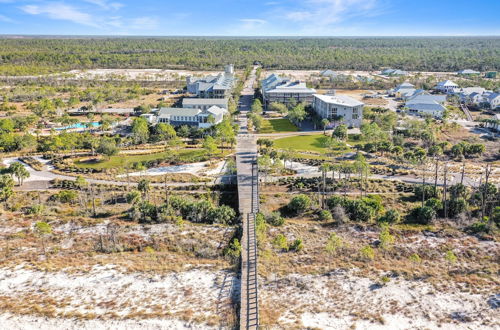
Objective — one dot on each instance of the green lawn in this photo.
(277, 126)
(313, 143)
(122, 160)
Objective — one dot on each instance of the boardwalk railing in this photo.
(252, 281)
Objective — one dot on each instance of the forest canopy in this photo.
(32, 55)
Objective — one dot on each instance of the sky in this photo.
(251, 17)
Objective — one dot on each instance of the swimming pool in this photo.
(78, 125)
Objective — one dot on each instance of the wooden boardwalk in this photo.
(248, 196)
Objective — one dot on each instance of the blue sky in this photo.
(251, 17)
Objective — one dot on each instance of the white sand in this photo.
(92, 292)
(342, 299)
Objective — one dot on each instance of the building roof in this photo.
(328, 73)
(167, 112)
(406, 85)
(291, 87)
(198, 101)
(467, 71)
(470, 90)
(217, 111)
(272, 81)
(339, 100)
(394, 72)
(446, 83)
(426, 97)
(426, 106)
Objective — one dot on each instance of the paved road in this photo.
(246, 155)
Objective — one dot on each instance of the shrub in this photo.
(299, 204)
(456, 206)
(385, 237)
(325, 215)
(434, 203)
(415, 258)
(391, 216)
(334, 243)
(430, 192)
(480, 226)
(422, 215)
(297, 245)
(367, 253)
(66, 196)
(223, 214)
(275, 219)
(281, 242)
(233, 251)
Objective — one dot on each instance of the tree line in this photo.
(29, 56)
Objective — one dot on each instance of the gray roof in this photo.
(467, 71)
(427, 106)
(197, 101)
(291, 87)
(339, 100)
(424, 98)
(166, 112)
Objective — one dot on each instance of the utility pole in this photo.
(436, 175)
(484, 193)
(463, 172)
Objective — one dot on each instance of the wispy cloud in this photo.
(326, 12)
(144, 23)
(6, 19)
(61, 11)
(251, 23)
(106, 5)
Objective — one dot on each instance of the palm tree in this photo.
(18, 170)
(324, 123)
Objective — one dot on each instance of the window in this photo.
(355, 116)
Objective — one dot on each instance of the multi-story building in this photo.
(282, 90)
(212, 87)
(333, 106)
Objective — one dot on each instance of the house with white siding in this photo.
(330, 106)
(217, 87)
(447, 86)
(190, 117)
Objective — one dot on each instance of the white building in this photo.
(190, 117)
(446, 86)
(329, 106)
(203, 104)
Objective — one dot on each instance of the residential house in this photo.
(330, 106)
(426, 97)
(492, 99)
(426, 108)
(335, 76)
(403, 90)
(282, 90)
(190, 117)
(216, 87)
(494, 123)
(447, 86)
(468, 72)
(203, 104)
(393, 72)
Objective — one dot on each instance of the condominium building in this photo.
(282, 90)
(333, 106)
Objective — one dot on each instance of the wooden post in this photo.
(445, 190)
